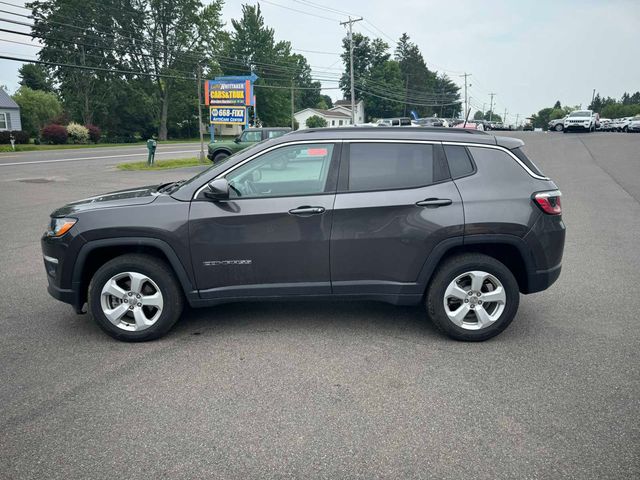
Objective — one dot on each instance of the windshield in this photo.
(580, 113)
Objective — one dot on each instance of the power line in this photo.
(299, 11)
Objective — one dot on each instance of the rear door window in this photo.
(392, 166)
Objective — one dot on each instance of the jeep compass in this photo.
(458, 221)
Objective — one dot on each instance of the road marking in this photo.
(91, 158)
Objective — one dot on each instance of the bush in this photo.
(316, 122)
(19, 135)
(55, 134)
(94, 133)
(77, 133)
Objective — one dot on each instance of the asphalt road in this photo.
(332, 390)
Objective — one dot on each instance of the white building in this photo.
(338, 116)
(9, 112)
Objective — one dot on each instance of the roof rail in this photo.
(390, 129)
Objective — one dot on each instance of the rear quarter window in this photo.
(519, 152)
(460, 164)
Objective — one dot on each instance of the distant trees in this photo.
(37, 108)
(395, 86)
(488, 115)
(35, 77)
(608, 107)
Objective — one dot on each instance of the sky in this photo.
(530, 53)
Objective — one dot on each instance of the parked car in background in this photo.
(394, 122)
(557, 124)
(431, 122)
(219, 150)
(634, 124)
(527, 127)
(623, 124)
(474, 125)
(605, 125)
(461, 224)
(585, 120)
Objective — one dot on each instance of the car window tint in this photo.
(290, 170)
(251, 136)
(459, 161)
(389, 166)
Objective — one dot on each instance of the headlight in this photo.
(59, 226)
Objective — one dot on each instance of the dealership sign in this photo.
(228, 99)
(228, 115)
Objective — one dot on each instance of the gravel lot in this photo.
(331, 390)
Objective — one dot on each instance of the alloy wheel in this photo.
(131, 301)
(474, 300)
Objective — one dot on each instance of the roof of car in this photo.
(404, 133)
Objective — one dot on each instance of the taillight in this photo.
(549, 202)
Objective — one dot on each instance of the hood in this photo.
(120, 198)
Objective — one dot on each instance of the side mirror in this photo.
(217, 189)
(236, 140)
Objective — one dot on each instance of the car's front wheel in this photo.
(135, 298)
(472, 297)
(559, 127)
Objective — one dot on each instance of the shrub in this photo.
(21, 136)
(94, 133)
(55, 134)
(77, 133)
(316, 121)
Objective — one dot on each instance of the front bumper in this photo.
(633, 128)
(577, 126)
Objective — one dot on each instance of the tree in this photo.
(316, 122)
(35, 77)
(251, 47)
(493, 116)
(170, 39)
(37, 108)
(557, 105)
(478, 115)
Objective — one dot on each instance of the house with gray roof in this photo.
(9, 113)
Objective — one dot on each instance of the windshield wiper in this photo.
(170, 187)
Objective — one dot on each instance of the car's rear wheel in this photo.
(220, 156)
(559, 127)
(135, 298)
(472, 297)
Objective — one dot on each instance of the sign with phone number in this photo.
(227, 115)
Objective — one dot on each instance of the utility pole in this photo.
(199, 79)
(491, 106)
(353, 92)
(517, 115)
(483, 105)
(504, 119)
(466, 98)
(292, 117)
(593, 97)
(406, 95)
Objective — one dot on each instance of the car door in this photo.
(271, 237)
(395, 203)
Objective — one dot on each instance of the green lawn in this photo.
(31, 147)
(163, 164)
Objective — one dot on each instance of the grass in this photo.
(31, 147)
(162, 164)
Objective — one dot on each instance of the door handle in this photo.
(306, 211)
(434, 202)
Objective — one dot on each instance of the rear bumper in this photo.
(542, 279)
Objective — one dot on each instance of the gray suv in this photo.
(461, 222)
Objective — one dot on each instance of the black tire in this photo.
(450, 270)
(625, 129)
(156, 270)
(219, 156)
